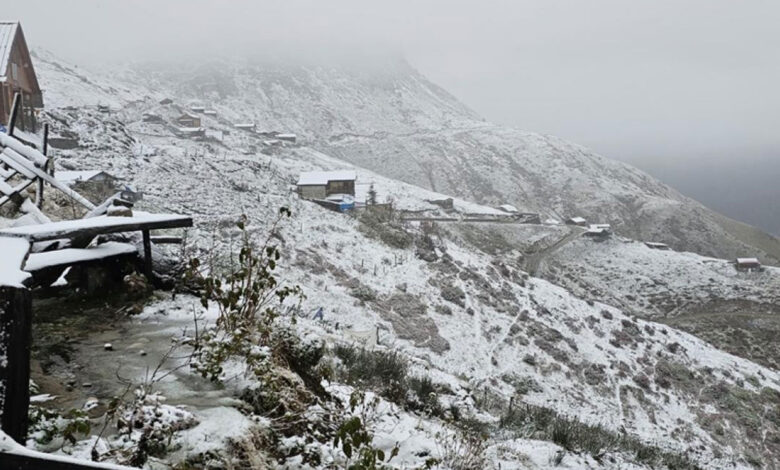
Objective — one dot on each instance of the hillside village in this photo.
(464, 325)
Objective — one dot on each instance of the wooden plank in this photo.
(97, 226)
(11, 162)
(73, 256)
(31, 167)
(40, 188)
(16, 322)
(16, 193)
(14, 114)
(166, 240)
(147, 254)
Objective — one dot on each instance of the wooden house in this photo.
(17, 75)
(291, 138)
(321, 184)
(657, 246)
(246, 126)
(188, 120)
(95, 185)
(747, 264)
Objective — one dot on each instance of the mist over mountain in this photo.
(744, 187)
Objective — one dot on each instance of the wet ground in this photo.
(71, 360)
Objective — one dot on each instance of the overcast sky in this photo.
(643, 81)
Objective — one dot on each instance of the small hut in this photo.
(579, 221)
(188, 120)
(321, 184)
(747, 264)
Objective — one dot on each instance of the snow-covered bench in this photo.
(74, 256)
(83, 231)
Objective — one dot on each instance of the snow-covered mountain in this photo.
(456, 299)
(385, 116)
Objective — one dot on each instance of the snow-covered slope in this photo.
(473, 320)
(383, 115)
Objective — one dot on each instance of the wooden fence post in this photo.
(147, 255)
(15, 338)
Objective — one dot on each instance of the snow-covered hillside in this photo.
(470, 319)
(383, 115)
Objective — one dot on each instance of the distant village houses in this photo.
(321, 184)
(17, 75)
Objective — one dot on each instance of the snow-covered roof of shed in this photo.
(74, 176)
(578, 220)
(508, 208)
(318, 178)
(7, 34)
(748, 261)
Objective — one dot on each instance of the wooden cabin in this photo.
(188, 120)
(321, 184)
(17, 75)
(657, 246)
(291, 138)
(747, 264)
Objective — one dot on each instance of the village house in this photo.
(188, 120)
(579, 221)
(508, 208)
(246, 126)
(95, 185)
(291, 138)
(657, 246)
(321, 184)
(747, 264)
(17, 75)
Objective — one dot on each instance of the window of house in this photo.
(14, 71)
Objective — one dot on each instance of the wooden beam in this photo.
(16, 323)
(166, 240)
(14, 114)
(83, 228)
(45, 150)
(37, 172)
(147, 254)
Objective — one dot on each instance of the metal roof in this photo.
(7, 34)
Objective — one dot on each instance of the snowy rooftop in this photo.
(7, 34)
(748, 261)
(577, 220)
(508, 208)
(317, 178)
(74, 176)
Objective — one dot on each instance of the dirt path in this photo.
(533, 261)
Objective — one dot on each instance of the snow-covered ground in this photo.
(470, 319)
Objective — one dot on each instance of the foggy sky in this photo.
(658, 83)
